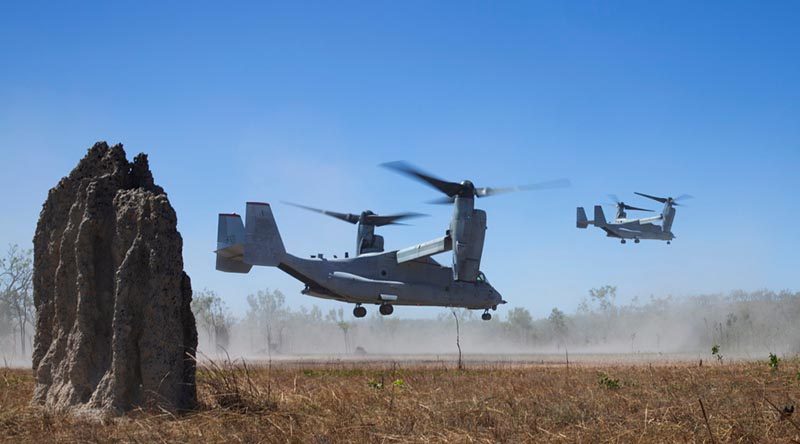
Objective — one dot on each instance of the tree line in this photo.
(740, 323)
(17, 313)
(735, 323)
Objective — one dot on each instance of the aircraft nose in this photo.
(497, 297)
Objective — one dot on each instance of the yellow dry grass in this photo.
(385, 402)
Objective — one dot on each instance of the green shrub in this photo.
(608, 382)
(774, 360)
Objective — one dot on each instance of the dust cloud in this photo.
(738, 325)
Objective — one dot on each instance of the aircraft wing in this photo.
(429, 248)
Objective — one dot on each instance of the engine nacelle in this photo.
(468, 236)
(375, 246)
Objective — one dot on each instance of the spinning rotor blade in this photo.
(347, 217)
(379, 221)
(448, 188)
(547, 185)
(681, 198)
(466, 188)
(444, 200)
(628, 207)
(672, 201)
(619, 204)
(657, 199)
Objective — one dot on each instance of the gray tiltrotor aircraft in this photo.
(646, 228)
(408, 276)
(366, 239)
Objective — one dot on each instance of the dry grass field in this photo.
(330, 402)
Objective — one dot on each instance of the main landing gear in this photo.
(386, 309)
(636, 241)
(486, 316)
(359, 311)
(622, 241)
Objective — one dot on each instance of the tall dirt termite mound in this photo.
(114, 328)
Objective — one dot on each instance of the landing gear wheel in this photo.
(486, 316)
(386, 309)
(668, 242)
(359, 311)
(622, 241)
(636, 241)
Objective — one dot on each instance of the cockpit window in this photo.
(482, 277)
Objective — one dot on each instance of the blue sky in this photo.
(301, 101)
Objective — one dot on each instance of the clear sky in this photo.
(301, 101)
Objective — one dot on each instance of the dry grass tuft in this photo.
(229, 385)
(382, 402)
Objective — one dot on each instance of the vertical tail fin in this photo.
(230, 244)
(582, 221)
(263, 243)
(599, 216)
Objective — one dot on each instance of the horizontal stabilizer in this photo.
(231, 265)
(424, 249)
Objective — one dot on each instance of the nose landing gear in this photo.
(359, 311)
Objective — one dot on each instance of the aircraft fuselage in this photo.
(375, 278)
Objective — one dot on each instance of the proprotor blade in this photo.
(466, 188)
(449, 188)
(629, 207)
(657, 199)
(444, 200)
(379, 221)
(547, 185)
(347, 217)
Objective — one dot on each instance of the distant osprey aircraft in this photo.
(645, 228)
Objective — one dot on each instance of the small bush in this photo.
(608, 382)
(774, 361)
(715, 352)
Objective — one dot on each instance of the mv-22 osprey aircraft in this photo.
(399, 277)
(645, 228)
